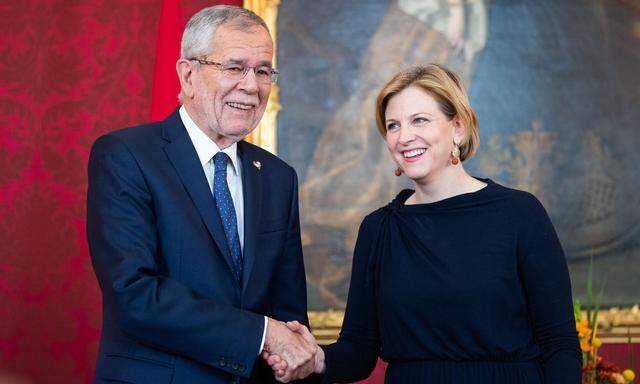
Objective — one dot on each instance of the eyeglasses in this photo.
(236, 72)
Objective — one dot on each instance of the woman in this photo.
(461, 280)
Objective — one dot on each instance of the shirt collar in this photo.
(205, 147)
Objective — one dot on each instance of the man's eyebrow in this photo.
(242, 62)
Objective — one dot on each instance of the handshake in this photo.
(291, 351)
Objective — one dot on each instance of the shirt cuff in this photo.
(264, 335)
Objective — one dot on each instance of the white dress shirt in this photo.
(206, 149)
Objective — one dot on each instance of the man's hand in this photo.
(285, 372)
(291, 354)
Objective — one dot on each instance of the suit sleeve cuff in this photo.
(264, 335)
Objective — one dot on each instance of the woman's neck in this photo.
(447, 183)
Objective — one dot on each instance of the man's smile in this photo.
(242, 106)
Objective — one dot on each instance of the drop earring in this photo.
(455, 153)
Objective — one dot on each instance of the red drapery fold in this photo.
(166, 86)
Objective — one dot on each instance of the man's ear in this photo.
(185, 70)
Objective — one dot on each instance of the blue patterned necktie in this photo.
(227, 212)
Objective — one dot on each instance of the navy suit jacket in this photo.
(172, 310)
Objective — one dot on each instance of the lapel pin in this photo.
(257, 164)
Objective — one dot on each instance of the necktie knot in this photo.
(220, 161)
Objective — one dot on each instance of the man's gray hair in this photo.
(199, 32)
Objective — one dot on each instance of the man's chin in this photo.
(237, 134)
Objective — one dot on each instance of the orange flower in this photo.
(584, 334)
(583, 329)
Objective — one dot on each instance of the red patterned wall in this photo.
(69, 72)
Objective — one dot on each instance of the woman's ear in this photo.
(458, 131)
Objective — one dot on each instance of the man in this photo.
(194, 234)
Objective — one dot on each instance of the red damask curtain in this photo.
(69, 72)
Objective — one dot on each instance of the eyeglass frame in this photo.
(273, 75)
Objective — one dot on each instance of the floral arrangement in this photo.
(594, 369)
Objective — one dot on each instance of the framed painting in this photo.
(554, 85)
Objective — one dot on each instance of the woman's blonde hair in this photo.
(446, 88)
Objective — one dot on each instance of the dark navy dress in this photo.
(469, 289)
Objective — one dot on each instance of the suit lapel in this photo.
(184, 158)
(252, 192)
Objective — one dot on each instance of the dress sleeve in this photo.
(543, 269)
(353, 357)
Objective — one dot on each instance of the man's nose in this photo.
(249, 82)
